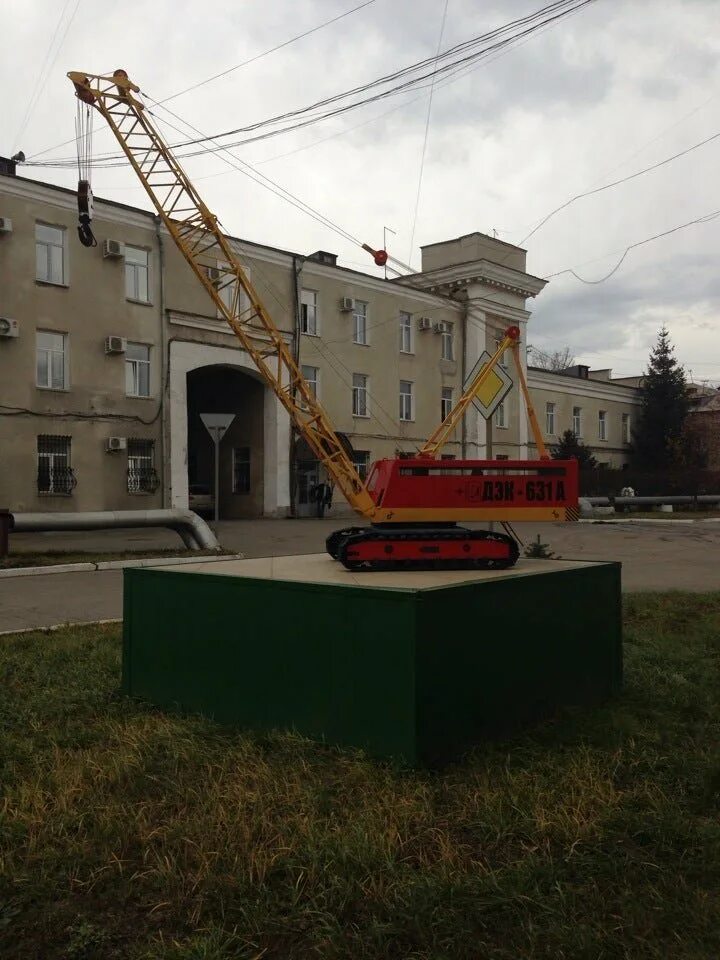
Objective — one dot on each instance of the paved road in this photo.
(667, 556)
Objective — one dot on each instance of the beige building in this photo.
(109, 356)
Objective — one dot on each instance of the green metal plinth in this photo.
(414, 666)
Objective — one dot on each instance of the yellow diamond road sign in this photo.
(493, 391)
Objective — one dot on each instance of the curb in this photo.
(646, 520)
(113, 565)
(58, 626)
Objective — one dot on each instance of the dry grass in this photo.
(127, 833)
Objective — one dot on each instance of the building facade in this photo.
(110, 355)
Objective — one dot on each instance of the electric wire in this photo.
(265, 53)
(427, 130)
(46, 67)
(706, 218)
(615, 183)
(552, 12)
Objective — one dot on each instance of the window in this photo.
(550, 418)
(446, 402)
(406, 333)
(448, 350)
(626, 428)
(361, 459)
(141, 476)
(312, 376)
(360, 395)
(500, 419)
(136, 274)
(602, 425)
(137, 370)
(503, 361)
(51, 360)
(577, 421)
(308, 312)
(50, 257)
(55, 475)
(241, 469)
(360, 322)
(226, 285)
(406, 400)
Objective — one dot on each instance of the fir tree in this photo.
(570, 447)
(658, 439)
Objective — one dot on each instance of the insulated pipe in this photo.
(649, 501)
(192, 529)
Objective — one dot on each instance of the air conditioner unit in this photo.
(214, 274)
(8, 327)
(347, 304)
(115, 344)
(5, 225)
(424, 323)
(440, 327)
(113, 249)
(113, 444)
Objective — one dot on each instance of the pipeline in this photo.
(651, 501)
(192, 529)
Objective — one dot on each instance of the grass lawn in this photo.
(49, 558)
(127, 833)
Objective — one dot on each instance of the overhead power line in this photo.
(615, 183)
(237, 66)
(265, 53)
(458, 58)
(706, 218)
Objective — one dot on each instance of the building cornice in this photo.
(112, 212)
(459, 276)
(575, 386)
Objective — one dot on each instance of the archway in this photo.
(222, 389)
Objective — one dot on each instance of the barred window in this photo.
(141, 475)
(361, 460)
(55, 475)
(241, 470)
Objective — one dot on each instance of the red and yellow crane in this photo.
(413, 505)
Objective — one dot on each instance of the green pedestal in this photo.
(415, 666)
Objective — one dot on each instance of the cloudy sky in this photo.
(612, 89)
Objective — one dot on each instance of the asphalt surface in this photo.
(656, 556)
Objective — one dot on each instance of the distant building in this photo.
(110, 354)
(704, 422)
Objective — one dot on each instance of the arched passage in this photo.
(222, 389)
(224, 380)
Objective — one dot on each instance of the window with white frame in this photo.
(577, 421)
(136, 274)
(503, 359)
(550, 418)
(448, 346)
(241, 469)
(626, 428)
(312, 377)
(50, 254)
(55, 474)
(500, 416)
(360, 330)
(361, 460)
(309, 312)
(602, 425)
(51, 360)
(141, 476)
(406, 400)
(137, 370)
(446, 402)
(406, 332)
(360, 406)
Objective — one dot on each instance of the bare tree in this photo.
(551, 359)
